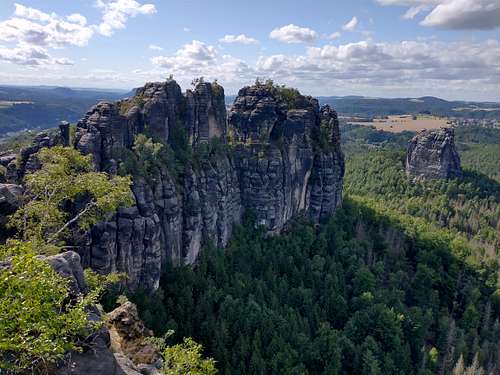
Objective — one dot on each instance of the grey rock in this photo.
(432, 154)
(276, 167)
(27, 161)
(10, 201)
(95, 359)
(68, 265)
(206, 113)
(283, 171)
(10, 198)
(6, 158)
(64, 132)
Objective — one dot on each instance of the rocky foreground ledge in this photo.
(281, 158)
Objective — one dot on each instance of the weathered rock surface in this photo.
(68, 265)
(288, 156)
(432, 154)
(284, 160)
(10, 201)
(99, 355)
(128, 333)
(278, 156)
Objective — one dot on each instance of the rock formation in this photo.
(276, 154)
(432, 154)
(128, 334)
(287, 156)
(115, 349)
(283, 159)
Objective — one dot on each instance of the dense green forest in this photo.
(479, 147)
(403, 279)
(470, 206)
(369, 292)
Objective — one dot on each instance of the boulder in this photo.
(10, 201)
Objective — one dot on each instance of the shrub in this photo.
(39, 322)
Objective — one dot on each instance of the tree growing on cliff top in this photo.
(66, 191)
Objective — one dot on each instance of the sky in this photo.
(375, 48)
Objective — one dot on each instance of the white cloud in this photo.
(334, 35)
(154, 47)
(466, 69)
(34, 32)
(465, 14)
(351, 25)
(30, 55)
(294, 34)
(32, 14)
(194, 54)
(52, 32)
(199, 59)
(117, 12)
(77, 18)
(406, 66)
(242, 39)
(186, 29)
(453, 14)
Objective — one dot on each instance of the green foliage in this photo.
(72, 133)
(66, 191)
(125, 105)
(39, 321)
(17, 142)
(468, 206)
(186, 358)
(147, 159)
(179, 141)
(217, 89)
(203, 152)
(371, 291)
(358, 139)
(290, 96)
(483, 158)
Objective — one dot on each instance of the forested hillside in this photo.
(369, 107)
(479, 147)
(24, 108)
(369, 292)
(468, 206)
(398, 277)
(402, 280)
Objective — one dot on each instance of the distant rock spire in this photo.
(432, 154)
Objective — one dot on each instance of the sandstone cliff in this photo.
(276, 154)
(432, 154)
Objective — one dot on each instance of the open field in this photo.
(8, 103)
(398, 124)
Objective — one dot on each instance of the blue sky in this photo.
(388, 48)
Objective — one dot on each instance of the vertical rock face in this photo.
(282, 159)
(432, 154)
(287, 155)
(156, 110)
(206, 115)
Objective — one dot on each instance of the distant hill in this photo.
(30, 107)
(33, 107)
(362, 106)
(369, 107)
